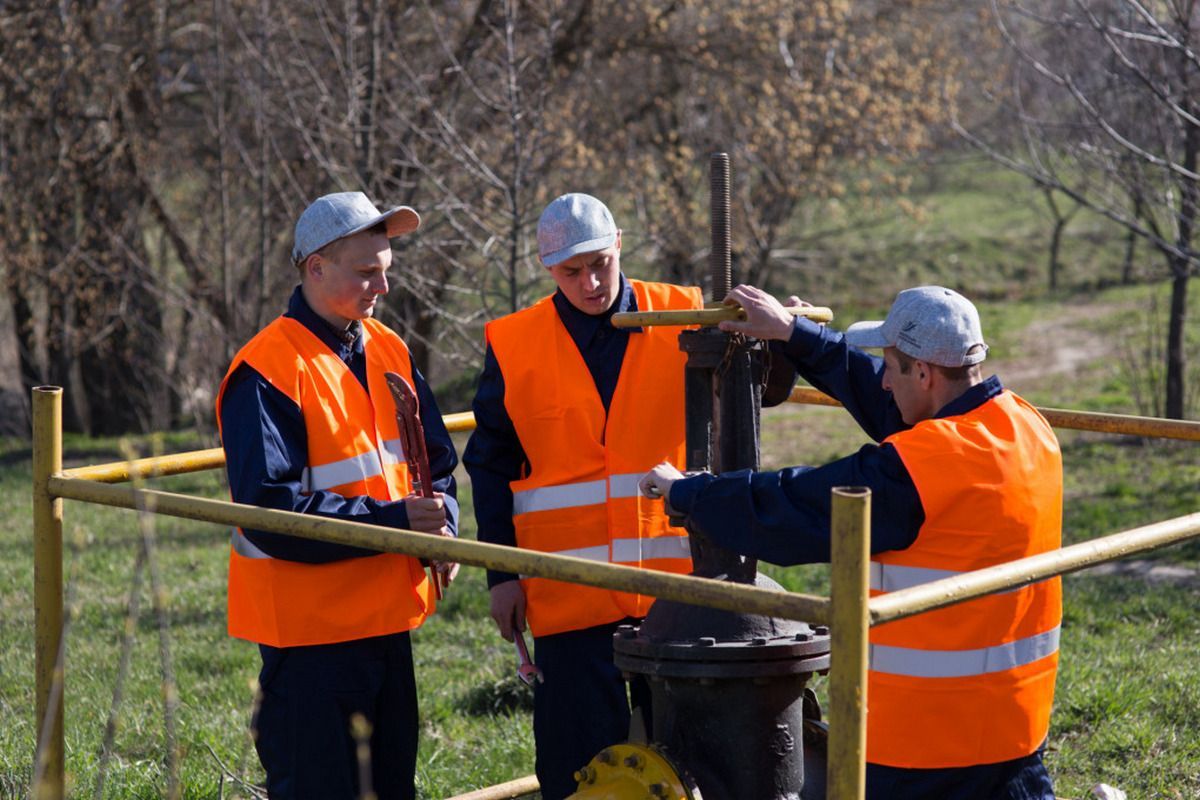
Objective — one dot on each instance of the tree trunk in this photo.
(1176, 353)
(1127, 265)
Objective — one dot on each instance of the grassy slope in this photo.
(1125, 711)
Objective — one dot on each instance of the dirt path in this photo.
(1149, 571)
(1054, 347)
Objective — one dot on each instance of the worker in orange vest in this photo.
(570, 413)
(308, 425)
(966, 475)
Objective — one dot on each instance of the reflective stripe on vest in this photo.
(353, 449)
(570, 495)
(244, 547)
(348, 470)
(633, 550)
(894, 577)
(393, 452)
(580, 497)
(962, 663)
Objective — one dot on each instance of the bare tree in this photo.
(80, 95)
(801, 96)
(155, 154)
(1119, 135)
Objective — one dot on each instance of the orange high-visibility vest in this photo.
(972, 683)
(353, 450)
(581, 496)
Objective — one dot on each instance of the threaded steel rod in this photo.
(720, 257)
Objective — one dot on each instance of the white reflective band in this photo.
(597, 553)
(392, 452)
(549, 498)
(962, 663)
(893, 577)
(569, 495)
(244, 547)
(348, 470)
(634, 550)
(624, 485)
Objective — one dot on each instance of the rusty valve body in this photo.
(728, 691)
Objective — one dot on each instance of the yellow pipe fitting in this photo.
(706, 317)
(633, 772)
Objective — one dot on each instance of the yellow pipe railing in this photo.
(521, 787)
(969, 585)
(48, 772)
(200, 460)
(1126, 424)
(846, 769)
(152, 467)
(848, 610)
(684, 588)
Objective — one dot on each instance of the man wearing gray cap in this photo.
(966, 475)
(570, 412)
(308, 425)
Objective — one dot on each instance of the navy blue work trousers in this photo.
(582, 707)
(303, 725)
(1023, 778)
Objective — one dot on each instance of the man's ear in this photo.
(924, 373)
(618, 240)
(313, 266)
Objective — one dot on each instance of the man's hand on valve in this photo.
(657, 482)
(765, 316)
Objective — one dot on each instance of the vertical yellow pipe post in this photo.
(849, 557)
(48, 771)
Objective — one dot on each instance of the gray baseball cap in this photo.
(336, 216)
(573, 224)
(930, 323)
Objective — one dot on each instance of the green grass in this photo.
(1126, 710)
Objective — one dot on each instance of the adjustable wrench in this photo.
(527, 671)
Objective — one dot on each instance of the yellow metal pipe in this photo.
(948, 591)
(812, 397)
(683, 588)
(706, 316)
(521, 787)
(462, 421)
(850, 556)
(1127, 424)
(47, 594)
(153, 467)
(198, 460)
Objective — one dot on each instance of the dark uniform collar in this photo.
(972, 398)
(583, 326)
(343, 341)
